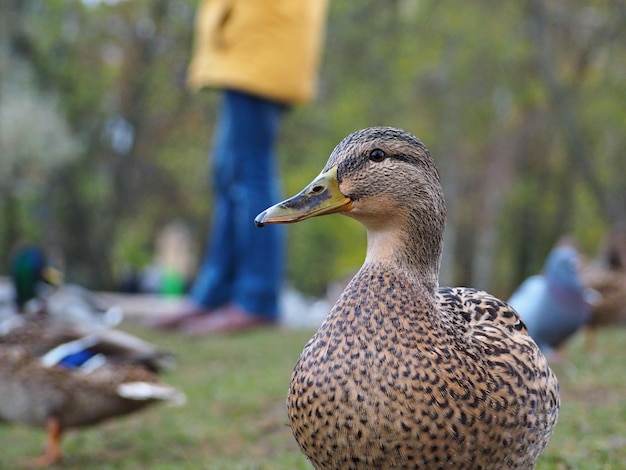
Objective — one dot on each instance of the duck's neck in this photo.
(25, 290)
(417, 256)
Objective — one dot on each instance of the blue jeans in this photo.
(243, 264)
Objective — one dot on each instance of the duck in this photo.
(403, 373)
(607, 276)
(38, 287)
(29, 270)
(59, 376)
(556, 303)
(610, 310)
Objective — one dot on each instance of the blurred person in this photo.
(263, 55)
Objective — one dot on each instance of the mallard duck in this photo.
(611, 308)
(610, 281)
(40, 335)
(555, 304)
(61, 376)
(29, 269)
(38, 288)
(403, 373)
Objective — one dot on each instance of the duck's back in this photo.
(393, 379)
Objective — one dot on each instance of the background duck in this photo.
(607, 276)
(403, 373)
(60, 376)
(40, 335)
(38, 288)
(29, 270)
(555, 304)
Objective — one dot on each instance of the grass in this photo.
(235, 416)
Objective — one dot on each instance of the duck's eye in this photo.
(377, 155)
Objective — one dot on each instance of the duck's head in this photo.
(29, 269)
(385, 178)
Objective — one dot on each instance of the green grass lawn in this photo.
(235, 417)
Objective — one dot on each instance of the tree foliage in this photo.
(521, 104)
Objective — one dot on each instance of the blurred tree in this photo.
(118, 69)
(34, 141)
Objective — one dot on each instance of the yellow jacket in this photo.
(270, 48)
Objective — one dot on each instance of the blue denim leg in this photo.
(243, 264)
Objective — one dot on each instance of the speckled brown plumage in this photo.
(465, 388)
(403, 374)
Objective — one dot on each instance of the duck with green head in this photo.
(58, 374)
(404, 373)
(29, 271)
(39, 289)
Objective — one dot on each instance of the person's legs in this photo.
(260, 252)
(256, 255)
(213, 283)
(244, 265)
(242, 271)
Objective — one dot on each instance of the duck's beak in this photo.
(52, 276)
(321, 196)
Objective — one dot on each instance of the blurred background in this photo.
(103, 150)
(103, 163)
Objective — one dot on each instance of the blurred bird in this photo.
(611, 307)
(402, 373)
(62, 365)
(39, 288)
(607, 276)
(61, 375)
(29, 270)
(555, 304)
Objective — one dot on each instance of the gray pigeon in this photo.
(555, 304)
